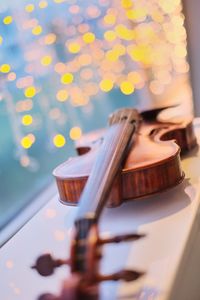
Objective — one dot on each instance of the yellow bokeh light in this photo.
(140, 53)
(30, 92)
(26, 142)
(62, 95)
(29, 7)
(75, 133)
(5, 68)
(46, 60)
(74, 47)
(136, 14)
(7, 20)
(112, 55)
(88, 37)
(1, 40)
(126, 3)
(37, 30)
(43, 4)
(110, 19)
(59, 140)
(126, 87)
(27, 120)
(110, 35)
(50, 39)
(124, 33)
(106, 85)
(67, 78)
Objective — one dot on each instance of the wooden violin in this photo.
(133, 158)
(152, 165)
(86, 244)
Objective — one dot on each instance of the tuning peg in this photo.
(121, 238)
(46, 264)
(126, 275)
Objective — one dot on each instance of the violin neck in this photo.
(110, 157)
(95, 194)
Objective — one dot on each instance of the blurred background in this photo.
(65, 65)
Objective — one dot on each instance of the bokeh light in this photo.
(75, 133)
(114, 47)
(126, 87)
(7, 20)
(43, 4)
(5, 68)
(30, 7)
(62, 95)
(66, 64)
(67, 78)
(37, 30)
(27, 142)
(106, 85)
(27, 120)
(88, 37)
(30, 92)
(59, 140)
(46, 60)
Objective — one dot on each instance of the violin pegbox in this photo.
(46, 264)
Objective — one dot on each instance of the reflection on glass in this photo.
(65, 65)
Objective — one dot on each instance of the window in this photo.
(64, 66)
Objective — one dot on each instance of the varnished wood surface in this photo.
(152, 165)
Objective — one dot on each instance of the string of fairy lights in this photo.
(86, 48)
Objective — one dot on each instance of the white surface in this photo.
(167, 219)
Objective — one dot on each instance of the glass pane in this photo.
(65, 65)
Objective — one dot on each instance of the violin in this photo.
(135, 157)
(86, 244)
(152, 165)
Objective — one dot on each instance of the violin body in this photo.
(151, 166)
